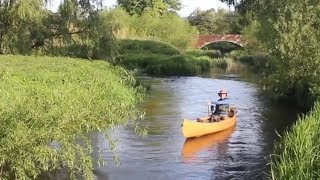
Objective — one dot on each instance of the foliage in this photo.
(223, 47)
(292, 36)
(161, 59)
(147, 47)
(137, 7)
(26, 27)
(199, 52)
(82, 29)
(47, 107)
(253, 34)
(159, 7)
(21, 25)
(174, 5)
(215, 22)
(169, 27)
(298, 154)
(289, 32)
(260, 63)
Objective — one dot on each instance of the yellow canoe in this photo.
(192, 128)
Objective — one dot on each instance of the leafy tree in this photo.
(173, 4)
(212, 22)
(292, 34)
(20, 25)
(289, 31)
(169, 27)
(157, 6)
(27, 27)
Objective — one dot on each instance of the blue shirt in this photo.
(220, 107)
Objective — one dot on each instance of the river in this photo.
(241, 152)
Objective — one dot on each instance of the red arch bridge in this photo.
(204, 40)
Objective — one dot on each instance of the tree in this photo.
(20, 25)
(212, 22)
(157, 6)
(174, 5)
(26, 27)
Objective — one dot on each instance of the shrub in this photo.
(49, 103)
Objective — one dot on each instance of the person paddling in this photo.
(220, 108)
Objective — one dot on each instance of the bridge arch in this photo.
(204, 40)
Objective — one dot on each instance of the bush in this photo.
(147, 47)
(169, 27)
(49, 103)
(209, 53)
(157, 58)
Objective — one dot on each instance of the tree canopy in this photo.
(27, 26)
(157, 6)
(215, 22)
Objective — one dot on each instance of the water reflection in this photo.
(193, 146)
(240, 152)
(237, 153)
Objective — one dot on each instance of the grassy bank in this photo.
(298, 154)
(162, 59)
(259, 63)
(47, 103)
(297, 90)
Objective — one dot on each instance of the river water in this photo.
(241, 152)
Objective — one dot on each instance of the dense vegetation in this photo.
(137, 7)
(287, 35)
(76, 30)
(54, 101)
(162, 59)
(216, 22)
(49, 104)
(298, 157)
(83, 29)
(168, 27)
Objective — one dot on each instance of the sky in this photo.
(188, 5)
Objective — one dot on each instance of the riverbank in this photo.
(297, 154)
(47, 104)
(156, 58)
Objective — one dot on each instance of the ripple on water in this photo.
(165, 154)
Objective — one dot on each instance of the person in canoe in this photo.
(220, 110)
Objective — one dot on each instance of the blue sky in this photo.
(188, 5)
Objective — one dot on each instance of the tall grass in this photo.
(47, 103)
(298, 154)
(147, 47)
(260, 63)
(162, 59)
(209, 53)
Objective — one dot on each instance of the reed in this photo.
(161, 59)
(47, 104)
(297, 156)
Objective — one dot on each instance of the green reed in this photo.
(297, 156)
(161, 59)
(47, 103)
